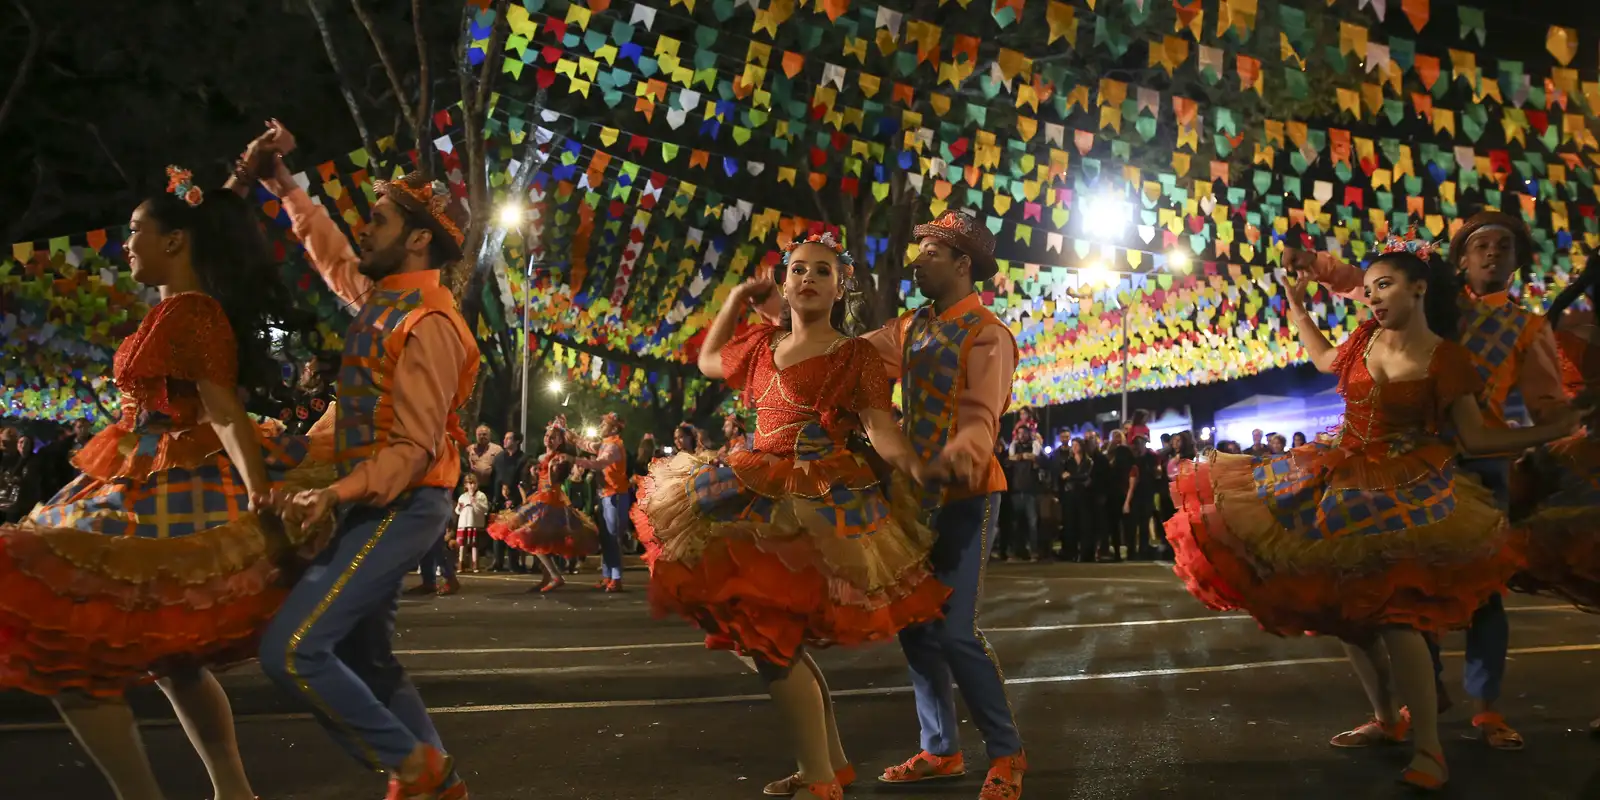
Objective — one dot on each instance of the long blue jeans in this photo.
(953, 648)
(614, 510)
(1490, 635)
(330, 644)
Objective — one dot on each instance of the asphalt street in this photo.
(1123, 685)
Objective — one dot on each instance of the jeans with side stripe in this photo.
(952, 648)
(329, 646)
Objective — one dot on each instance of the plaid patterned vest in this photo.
(372, 345)
(1497, 336)
(933, 369)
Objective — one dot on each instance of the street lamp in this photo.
(591, 432)
(555, 386)
(1106, 216)
(1178, 260)
(510, 215)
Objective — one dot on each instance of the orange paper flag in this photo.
(1417, 12)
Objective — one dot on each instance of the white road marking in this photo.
(1069, 626)
(865, 692)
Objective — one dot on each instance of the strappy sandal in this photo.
(1422, 781)
(825, 791)
(1375, 733)
(1496, 733)
(790, 786)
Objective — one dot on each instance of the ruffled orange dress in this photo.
(1375, 528)
(149, 560)
(1563, 525)
(548, 524)
(796, 541)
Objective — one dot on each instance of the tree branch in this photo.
(388, 66)
(338, 71)
(95, 129)
(35, 40)
(424, 82)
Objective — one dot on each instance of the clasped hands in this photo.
(951, 466)
(303, 508)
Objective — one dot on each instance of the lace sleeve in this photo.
(871, 388)
(739, 355)
(1352, 352)
(197, 342)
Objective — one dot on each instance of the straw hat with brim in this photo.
(431, 200)
(1484, 219)
(963, 232)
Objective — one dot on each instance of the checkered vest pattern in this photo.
(933, 364)
(1497, 337)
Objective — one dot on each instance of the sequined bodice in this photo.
(812, 405)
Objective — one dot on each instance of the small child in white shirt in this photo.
(472, 512)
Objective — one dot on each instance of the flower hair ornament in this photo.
(557, 424)
(181, 183)
(610, 417)
(828, 240)
(1410, 243)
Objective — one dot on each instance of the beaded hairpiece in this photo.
(181, 183)
(1421, 248)
(559, 423)
(826, 239)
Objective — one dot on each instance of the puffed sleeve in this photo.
(197, 342)
(872, 380)
(1453, 374)
(740, 354)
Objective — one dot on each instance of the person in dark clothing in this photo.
(21, 482)
(506, 493)
(1119, 500)
(1101, 542)
(1022, 483)
(999, 549)
(1139, 507)
(1071, 466)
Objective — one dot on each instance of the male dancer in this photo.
(1510, 346)
(409, 361)
(955, 360)
(611, 461)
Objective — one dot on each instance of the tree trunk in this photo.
(315, 6)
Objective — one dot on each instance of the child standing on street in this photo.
(472, 511)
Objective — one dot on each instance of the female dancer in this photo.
(547, 525)
(1375, 537)
(151, 563)
(794, 542)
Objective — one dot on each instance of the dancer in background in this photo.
(152, 563)
(1377, 537)
(409, 362)
(1510, 347)
(616, 497)
(733, 430)
(548, 525)
(956, 360)
(1560, 506)
(796, 543)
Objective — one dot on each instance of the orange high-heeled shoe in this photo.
(1422, 781)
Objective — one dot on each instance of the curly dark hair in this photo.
(232, 259)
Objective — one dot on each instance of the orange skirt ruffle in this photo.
(87, 611)
(766, 572)
(1563, 527)
(1234, 554)
(548, 525)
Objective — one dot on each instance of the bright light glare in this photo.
(1179, 260)
(555, 386)
(1096, 274)
(510, 215)
(1106, 216)
(591, 431)
(667, 450)
(1205, 434)
(1049, 449)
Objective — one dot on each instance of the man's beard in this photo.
(383, 262)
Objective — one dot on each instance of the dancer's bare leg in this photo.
(836, 755)
(1413, 676)
(799, 697)
(207, 718)
(110, 735)
(1372, 665)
